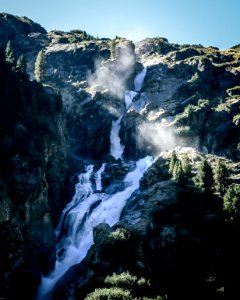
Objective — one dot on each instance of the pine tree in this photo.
(9, 56)
(172, 162)
(21, 64)
(231, 203)
(204, 178)
(39, 71)
(221, 177)
(178, 174)
(186, 166)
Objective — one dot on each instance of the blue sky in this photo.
(207, 22)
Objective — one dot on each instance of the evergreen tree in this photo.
(21, 64)
(172, 162)
(9, 56)
(221, 177)
(204, 178)
(178, 174)
(39, 71)
(186, 166)
(231, 203)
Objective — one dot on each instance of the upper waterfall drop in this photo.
(117, 148)
(139, 79)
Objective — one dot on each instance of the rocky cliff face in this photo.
(33, 173)
(168, 233)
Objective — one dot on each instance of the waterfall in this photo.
(138, 82)
(86, 210)
(116, 147)
(99, 177)
(128, 97)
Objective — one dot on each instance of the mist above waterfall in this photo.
(112, 74)
(159, 137)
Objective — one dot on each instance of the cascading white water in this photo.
(117, 148)
(128, 97)
(82, 214)
(99, 177)
(139, 79)
(88, 209)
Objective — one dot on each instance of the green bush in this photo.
(125, 280)
(113, 293)
(120, 234)
(191, 109)
(236, 119)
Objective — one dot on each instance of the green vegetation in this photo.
(27, 113)
(221, 177)
(182, 130)
(39, 71)
(192, 109)
(236, 119)
(234, 91)
(180, 169)
(231, 203)
(125, 280)
(119, 234)
(222, 107)
(9, 56)
(109, 294)
(172, 162)
(177, 173)
(21, 64)
(186, 166)
(73, 36)
(124, 286)
(204, 177)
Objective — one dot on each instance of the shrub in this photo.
(125, 280)
(113, 293)
(121, 234)
(236, 119)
